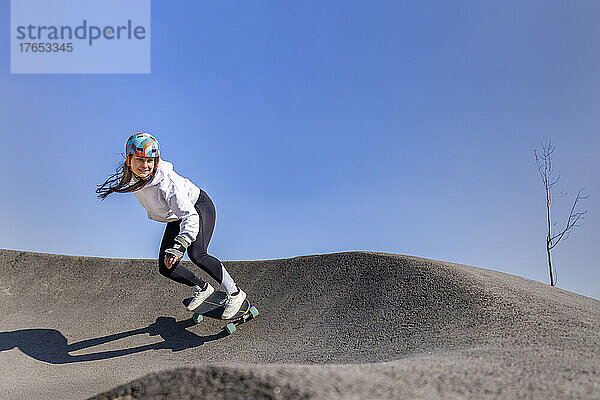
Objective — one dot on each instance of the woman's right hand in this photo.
(170, 260)
(176, 251)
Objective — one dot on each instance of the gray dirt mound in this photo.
(415, 327)
(211, 382)
(456, 375)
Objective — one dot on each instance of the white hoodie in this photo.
(169, 197)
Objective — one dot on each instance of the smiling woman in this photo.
(142, 167)
(188, 211)
(134, 168)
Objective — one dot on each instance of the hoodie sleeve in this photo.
(183, 208)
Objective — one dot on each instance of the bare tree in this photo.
(544, 164)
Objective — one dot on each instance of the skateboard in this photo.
(212, 308)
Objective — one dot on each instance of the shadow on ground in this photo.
(51, 346)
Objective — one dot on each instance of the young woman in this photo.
(188, 212)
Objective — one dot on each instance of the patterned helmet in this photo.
(142, 145)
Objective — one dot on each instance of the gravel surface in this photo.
(342, 325)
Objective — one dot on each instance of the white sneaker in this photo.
(200, 296)
(233, 304)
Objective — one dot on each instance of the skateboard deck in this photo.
(212, 307)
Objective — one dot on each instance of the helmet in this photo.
(142, 145)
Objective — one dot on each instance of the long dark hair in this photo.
(119, 181)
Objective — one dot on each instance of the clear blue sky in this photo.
(397, 126)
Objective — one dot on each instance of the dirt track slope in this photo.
(343, 325)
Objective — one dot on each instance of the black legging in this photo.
(197, 249)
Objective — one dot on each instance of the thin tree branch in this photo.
(574, 217)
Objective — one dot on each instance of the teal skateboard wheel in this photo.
(213, 307)
(230, 328)
(197, 318)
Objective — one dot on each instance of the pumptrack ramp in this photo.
(342, 325)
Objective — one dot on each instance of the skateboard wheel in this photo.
(197, 318)
(253, 311)
(230, 328)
